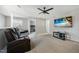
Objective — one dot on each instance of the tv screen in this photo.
(67, 21)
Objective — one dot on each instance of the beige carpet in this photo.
(49, 44)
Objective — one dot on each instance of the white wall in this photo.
(74, 30)
(2, 21)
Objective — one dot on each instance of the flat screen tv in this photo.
(63, 22)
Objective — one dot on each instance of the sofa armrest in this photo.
(19, 45)
(16, 42)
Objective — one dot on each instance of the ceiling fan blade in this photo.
(39, 9)
(49, 9)
(46, 12)
(40, 12)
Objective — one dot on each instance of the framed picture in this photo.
(69, 19)
(63, 22)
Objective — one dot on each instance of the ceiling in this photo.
(32, 11)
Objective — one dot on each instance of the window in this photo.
(17, 23)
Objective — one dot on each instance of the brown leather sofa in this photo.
(15, 44)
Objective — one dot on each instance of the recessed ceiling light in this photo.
(19, 6)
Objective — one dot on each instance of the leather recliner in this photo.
(16, 45)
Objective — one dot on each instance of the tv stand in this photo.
(59, 35)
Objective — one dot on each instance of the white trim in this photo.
(42, 34)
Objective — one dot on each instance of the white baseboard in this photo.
(42, 34)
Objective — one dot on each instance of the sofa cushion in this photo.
(10, 35)
(17, 32)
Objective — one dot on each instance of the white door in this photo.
(40, 26)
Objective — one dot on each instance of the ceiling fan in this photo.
(44, 10)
